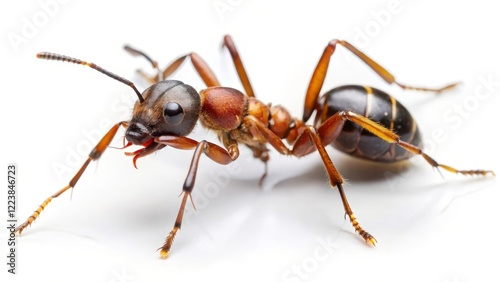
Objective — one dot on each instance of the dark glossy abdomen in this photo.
(377, 106)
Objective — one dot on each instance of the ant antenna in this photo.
(57, 57)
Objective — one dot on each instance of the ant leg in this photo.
(326, 131)
(333, 174)
(311, 139)
(201, 67)
(214, 152)
(93, 156)
(306, 142)
(206, 74)
(238, 64)
(135, 52)
(319, 74)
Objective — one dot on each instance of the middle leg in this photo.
(311, 135)
(308, 141)
(238, 64)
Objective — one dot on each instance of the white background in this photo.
(428, 228)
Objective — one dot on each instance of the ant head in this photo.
(170, 107)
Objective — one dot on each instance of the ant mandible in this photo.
(359, 120)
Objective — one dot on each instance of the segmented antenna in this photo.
(58, 57)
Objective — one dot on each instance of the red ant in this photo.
(359, 120)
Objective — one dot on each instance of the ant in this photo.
(359, 120)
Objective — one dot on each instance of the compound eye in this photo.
(173, 113)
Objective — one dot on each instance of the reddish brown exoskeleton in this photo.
(358, 120)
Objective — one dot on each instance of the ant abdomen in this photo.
(378, 106)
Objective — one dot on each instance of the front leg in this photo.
(94, 155)
(213, 151)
